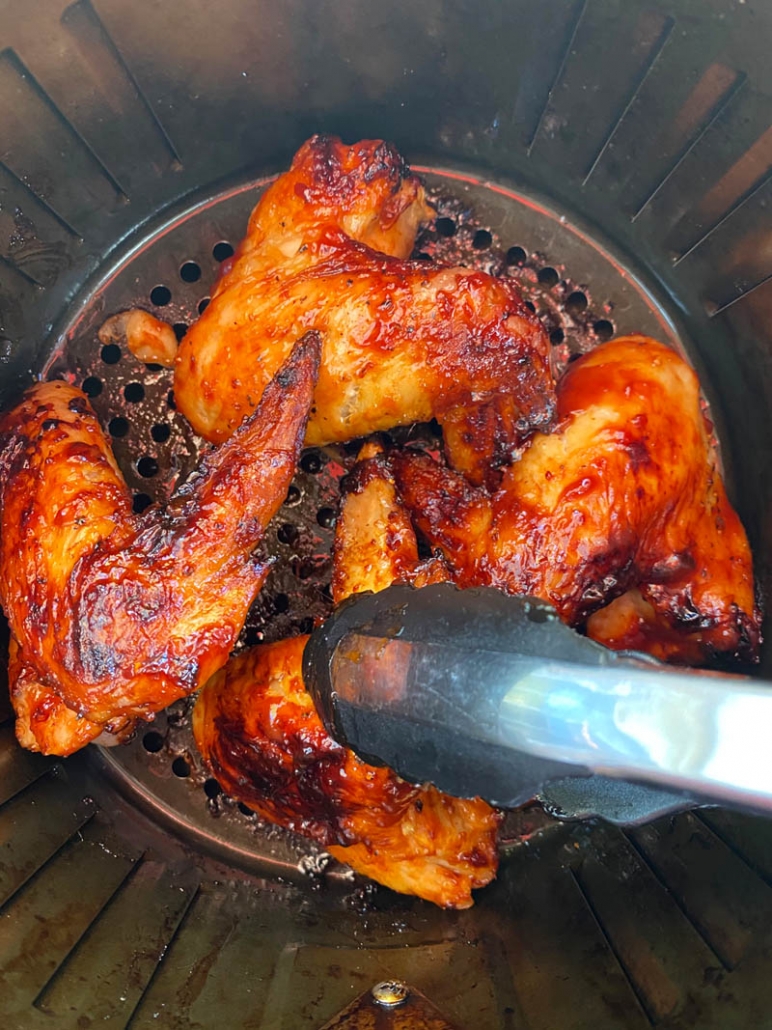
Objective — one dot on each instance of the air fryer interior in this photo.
(615, 158)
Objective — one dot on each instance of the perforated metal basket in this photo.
(615, 157)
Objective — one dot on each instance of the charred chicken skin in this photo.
(404, 341)
(624, 498)
(257, 728)
(114, 615)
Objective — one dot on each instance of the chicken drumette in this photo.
(625, 498)
(258, 730)
(114, 615)
(404, 341)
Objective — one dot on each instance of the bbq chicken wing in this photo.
(375, 543)
(624, 497)
(258, 730)
(404, 341)
(114, 615)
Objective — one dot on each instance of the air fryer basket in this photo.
(615, 156)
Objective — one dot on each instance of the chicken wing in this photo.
(624, 495)
(404, 341)
(375, 543)
(257, 728)
(115, 615)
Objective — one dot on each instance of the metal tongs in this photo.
(484, 694)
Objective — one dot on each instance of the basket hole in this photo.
(180, 328)
(311, 462)
(482, 239)
(222, 251)
(152, 741)
(92, 387)
(180, 767)
(423, 256)
(305, 569)
(244, 810)
(160, 432)
(171, 401)
(147, 467)
(110, 354)
(160, 296)
(530, 305)
(287, 533)
(254, 636)
(281, 604)
(293, 496)
(548, 276)
(118, 427)
(134, 392)
(576, 302)
(445, 227)
(212, 789)
(203, 304)
(326, 517)
(603, 329)
(306, 625)
(190, 272)
(516, 256)
(557, 336)
(140, 502)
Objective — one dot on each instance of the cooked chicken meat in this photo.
(624, 496)
(114, 615)
(147, 337)
(257, 728)
(404, 341)
(375, 543)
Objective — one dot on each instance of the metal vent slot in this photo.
(34, 825)
(663, 955)
(105, 975)
(750, 837)
(27, 117)
(18, 768)
(721, 895)
(596, 94)
(222, 958)
(564, 971)
(47, 917)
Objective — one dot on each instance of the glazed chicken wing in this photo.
(624, 496)
(258, 730)
(114, 615)
(375, 543)
(404, 341)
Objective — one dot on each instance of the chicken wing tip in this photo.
(303, 360)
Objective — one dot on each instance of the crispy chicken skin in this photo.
(625, 495)
(115, 615)
(404, 341)
(257, 728)
(630, 623)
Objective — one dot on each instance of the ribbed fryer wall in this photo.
(587, 926)
(651, 122)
